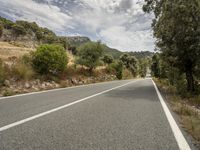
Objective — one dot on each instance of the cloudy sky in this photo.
(120, 24)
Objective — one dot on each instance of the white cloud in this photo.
(45, 15)
(119, 38)
(119, 23)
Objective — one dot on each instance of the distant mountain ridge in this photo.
(29, 34)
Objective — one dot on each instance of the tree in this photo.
(143, 67)
(118, 68)
(130, 62)
(1, 30)
(155, 69)
(50, 59)
(64, 42)
(177, 29)
(2, 74)
(108, 59)
(89, 54)
(73, 49)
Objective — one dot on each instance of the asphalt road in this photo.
(119, 115)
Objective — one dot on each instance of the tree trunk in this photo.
(190, 80)
(91, 70)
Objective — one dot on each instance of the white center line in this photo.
(180, 139)
(58, 108)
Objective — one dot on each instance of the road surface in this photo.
(119, 115)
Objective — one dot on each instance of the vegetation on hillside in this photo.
(89, 55)
(50, 60)
(177, 29)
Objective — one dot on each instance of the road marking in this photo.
(59, 108)
(180, 139)
(58, 89)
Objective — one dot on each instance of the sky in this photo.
(120, 24)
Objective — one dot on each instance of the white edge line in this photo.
(59, 108)
(180, 139)
(57, 89)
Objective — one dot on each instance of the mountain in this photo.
(29, 34)
(141, 54)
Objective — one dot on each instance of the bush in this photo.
(18, 29)
(50, 59)
(107, 59)
(118, 67)
(130, 62)
(1, 30)
(2, 73)
(89, 54)
(7, 24)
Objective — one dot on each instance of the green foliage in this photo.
(155, 67)
(141, 54)
(89, 54)
(177, 29)
(143, 67)
(7, 24)
(118, 68)
(50, 59)
(24, 24)
(1, 30)
(130, 62)
(112, 52)
(18, 29)
(108, 59)
(2, 73)
(73, 49)
(64, 42)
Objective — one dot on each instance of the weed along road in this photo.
(118, 115)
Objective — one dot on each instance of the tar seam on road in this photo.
(180, 139)
(59, 108)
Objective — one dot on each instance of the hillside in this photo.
(141, 54)
(30, 35)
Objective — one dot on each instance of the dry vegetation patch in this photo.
(186, 108)
(9, 51)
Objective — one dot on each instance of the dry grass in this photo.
(185, 108)
(9, 51)
(127, 74)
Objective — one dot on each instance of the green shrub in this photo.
(50, 59)
(118, 67)
(7, 24)
(1, 30)
(89, 54)
(2, 73)
(130, 62)
(108, 59)
(18, 29)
